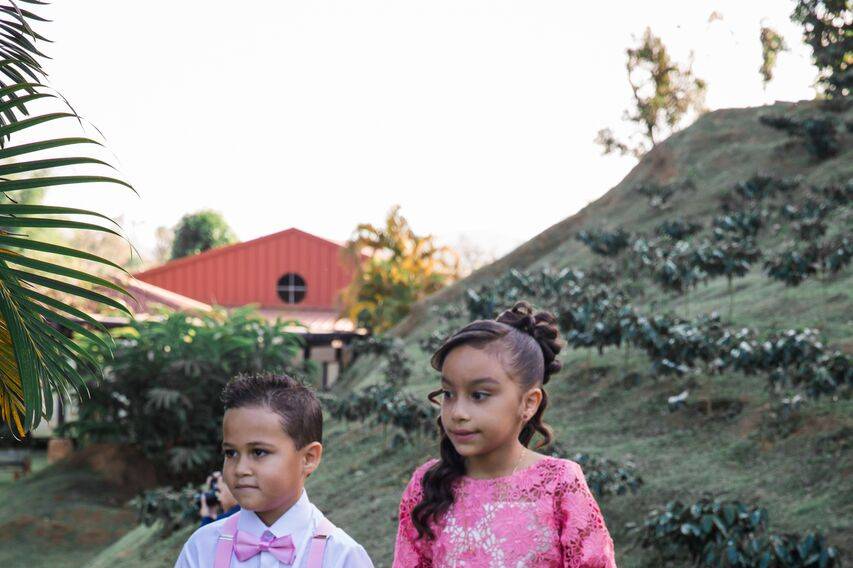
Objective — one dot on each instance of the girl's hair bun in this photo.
(542, 326)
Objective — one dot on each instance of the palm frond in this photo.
(38, 359)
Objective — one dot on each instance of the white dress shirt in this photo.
(300, 522)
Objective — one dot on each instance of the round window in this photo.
(291, 288)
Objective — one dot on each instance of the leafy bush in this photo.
(675, 346)
(593, 318)
(605, 243)
(546, 285)
(161, 391)
(818, 133)
(385, 405)
(808, 209)
(729, 533)
(378, 344)
(659, 195)
(174, 508)
(678, 229)
(676, 270)
(797, 262)
(792, 358)
(758, 188)
(703, 530)
(740, 223)
(838, 194)
(836, 253)
(398, 368)
(794, 264)
(730, 258)
(605, 477)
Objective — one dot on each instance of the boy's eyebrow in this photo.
(253, 443)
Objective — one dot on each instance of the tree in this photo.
(37, 361)
(664, 93)
(201, 231)
(771, 45)
(826, 28)
(400, 268)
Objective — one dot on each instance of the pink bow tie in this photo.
(247, 545)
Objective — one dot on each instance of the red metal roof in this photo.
(248, 272)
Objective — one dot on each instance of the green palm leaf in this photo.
(37, 359)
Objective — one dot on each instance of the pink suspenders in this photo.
(225, 544)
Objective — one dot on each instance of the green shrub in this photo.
(678, 229)
(385, 405)
(659, 195)
(817, 133)
(174, 508)
(161, 390)
(729, 533)
(605, 243)
(604, 477)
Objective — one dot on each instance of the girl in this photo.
(490, 501)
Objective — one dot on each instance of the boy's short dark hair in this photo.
(301, 415)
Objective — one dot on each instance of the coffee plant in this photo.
(605, 243)
(756, 189)
(379, 345)
(794, 264)
(659, 195)
(807, 210)
(678, 229)
(715, 532)
(738, 224)
(837, 194)
(604, 477)
(677, 270)
(836, 253)
(173, 508)
(384, 405)
(797, 262)
(818, 133)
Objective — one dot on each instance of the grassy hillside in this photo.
(64, 514)
(802, 478)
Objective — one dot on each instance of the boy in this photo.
(272, 441)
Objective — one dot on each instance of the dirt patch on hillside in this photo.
(122, 466)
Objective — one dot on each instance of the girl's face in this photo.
(262, 466)
(482, 406)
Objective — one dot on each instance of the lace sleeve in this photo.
(409, 550)
(583, 535)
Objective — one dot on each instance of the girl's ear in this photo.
(530, 403)
(312, 454)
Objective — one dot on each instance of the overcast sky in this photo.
(478, 117)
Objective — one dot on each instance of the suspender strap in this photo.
(225, 544)
(318, 543)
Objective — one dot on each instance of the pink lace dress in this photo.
(542, 516)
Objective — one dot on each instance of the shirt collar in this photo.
(294, 521)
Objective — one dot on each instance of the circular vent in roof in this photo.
(291, 288)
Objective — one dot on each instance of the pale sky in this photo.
(477, 117)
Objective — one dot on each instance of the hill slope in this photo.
(802, 478)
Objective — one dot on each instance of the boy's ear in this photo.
(312, 454)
